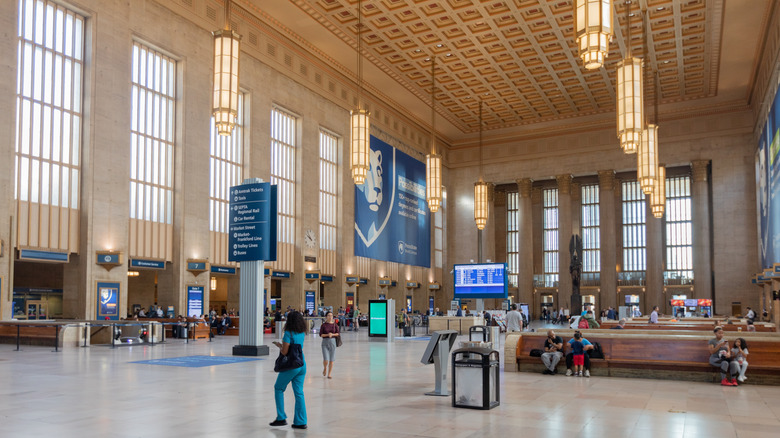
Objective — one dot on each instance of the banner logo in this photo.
(380, 182)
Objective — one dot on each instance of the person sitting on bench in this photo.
(225, 324)
(586, 346)
(720, 357)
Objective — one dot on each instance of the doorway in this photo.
(36, 309)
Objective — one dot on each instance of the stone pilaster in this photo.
(702, 257)
(525, 275)
(607, 230)
(655, 261)
(564, 235)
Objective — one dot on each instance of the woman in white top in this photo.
(740, 354)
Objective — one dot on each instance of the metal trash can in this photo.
(479, 330)
(279, 329)
(475, 374)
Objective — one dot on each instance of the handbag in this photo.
(292, 360)
(338, 341)
(536, 352)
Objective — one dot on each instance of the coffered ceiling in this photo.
(520, 58)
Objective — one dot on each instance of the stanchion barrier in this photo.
(56, 338)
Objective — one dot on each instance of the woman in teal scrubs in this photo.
(294, 333)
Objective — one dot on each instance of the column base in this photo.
(250, 350)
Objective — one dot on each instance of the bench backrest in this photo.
(764, 351)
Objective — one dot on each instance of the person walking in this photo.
(514, 320)
(329, 331)
(294, 333)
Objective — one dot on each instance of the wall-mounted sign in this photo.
(363, 280)
(312, 276)
(350, 280)
(223, 270)
(412, 285)
(43, 256)
(309, 259)
(195, 296)
(327, 278)
(197, 266)
(252, 223)
(107, 259)
(147, 264)
(107, 300)
(393, 283)
(434, 286)
(280, 274)
(385, 281)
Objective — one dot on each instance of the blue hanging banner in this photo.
(391, 214)
(252, 223)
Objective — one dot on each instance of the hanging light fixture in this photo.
(359, 118)
(433, 160)
(480, 187)
(647, 157)
(658, 198)
(630, 114)
(593, 27)
(225, 98)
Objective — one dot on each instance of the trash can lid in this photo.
(475, 350)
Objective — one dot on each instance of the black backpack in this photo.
(596, 353)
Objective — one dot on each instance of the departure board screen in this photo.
(480, 281)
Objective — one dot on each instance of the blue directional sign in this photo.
(252, 229)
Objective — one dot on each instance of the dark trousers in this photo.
(570, 361)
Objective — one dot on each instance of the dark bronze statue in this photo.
(575, 268)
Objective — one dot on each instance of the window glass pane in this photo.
(679, 230)
(151, 152)
(550, 236)
(283, 171)
(512, 236)
(328, 195)
(48, 118)
(591, 245)
(634, 241)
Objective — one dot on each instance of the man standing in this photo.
(751, 315)
(611, 314)
(553, 346)
(654, 315)
(514, 320)
(586, 346)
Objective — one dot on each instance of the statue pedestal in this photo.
(576, 304)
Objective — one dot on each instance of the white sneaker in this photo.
(587, 373)
(741, 379)
(568, 372)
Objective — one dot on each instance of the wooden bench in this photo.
(654, 354)
(683, 326)
(40, 336)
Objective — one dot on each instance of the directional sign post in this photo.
(252, 241)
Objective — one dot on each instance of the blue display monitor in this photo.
(486, 280)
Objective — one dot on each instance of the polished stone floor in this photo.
(377, 391)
